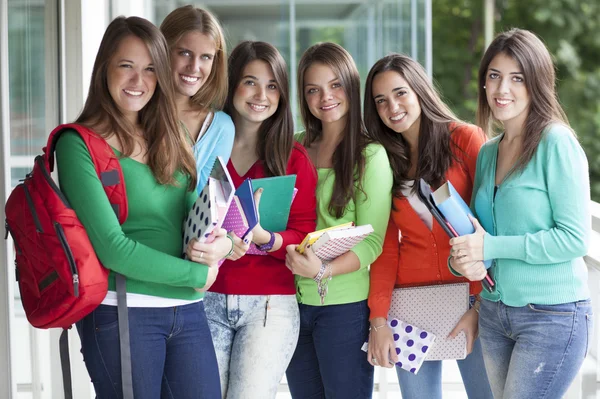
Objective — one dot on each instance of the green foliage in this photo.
(570, 29)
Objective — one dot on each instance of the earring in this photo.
(483, 87)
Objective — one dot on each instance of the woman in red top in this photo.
(252, 309)
(425, 140)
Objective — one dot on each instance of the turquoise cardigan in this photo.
(539, 224)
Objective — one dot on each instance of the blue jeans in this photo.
(328, 361)
(172, 355)
(427, 383)
(254, 341)
(534, 351)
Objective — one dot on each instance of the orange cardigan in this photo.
(421, 256)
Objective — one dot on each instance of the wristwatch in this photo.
(266, 247)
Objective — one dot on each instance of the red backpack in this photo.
(60, 278)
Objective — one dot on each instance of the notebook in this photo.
(315, 235)
(275, 201)
(210, 208)
(452, 213)
(413, 344)
(334, 243)
(434, 308)
(242, 215)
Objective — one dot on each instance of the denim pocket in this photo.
(105, 319)
(589, 322)
(561, 309)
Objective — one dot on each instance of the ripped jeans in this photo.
(534, 351)
(254, 341)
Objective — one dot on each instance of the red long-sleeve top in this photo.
(267, 274)
(421, 256)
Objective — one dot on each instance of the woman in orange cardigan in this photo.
(425, 140)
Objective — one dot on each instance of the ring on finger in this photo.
(374, 361)
(201, 254)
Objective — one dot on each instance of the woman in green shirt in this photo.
(130, 105)
(354, 185)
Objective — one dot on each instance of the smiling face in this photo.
(256, 97)
(130, 77)
(324, 94)
(396, 102)
(192, 59)
(506, 91)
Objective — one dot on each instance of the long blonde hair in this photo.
(168, 152)
(187, 19)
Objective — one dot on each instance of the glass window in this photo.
(368, 30)
(33, 107)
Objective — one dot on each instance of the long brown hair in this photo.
(540, 80)
(348, 157)
(276, 134)
(168, 152)
(435, 154)
(187, 19)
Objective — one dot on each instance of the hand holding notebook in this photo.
(208, 212)
(271, 211)
(330, 243)
(412, 344)
(452, 213)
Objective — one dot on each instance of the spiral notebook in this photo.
(434, 308)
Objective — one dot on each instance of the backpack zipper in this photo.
(8, 231)
(36, 220)
(40, 161)
(65, 245)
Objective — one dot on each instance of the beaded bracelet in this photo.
(232, 246)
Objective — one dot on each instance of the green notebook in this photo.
(275, 202)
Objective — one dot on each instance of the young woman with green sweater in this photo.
(130, 105)
(354, 185)
(531, 196)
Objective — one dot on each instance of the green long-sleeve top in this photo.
(372, 206)
(538, 222)
(146, 249)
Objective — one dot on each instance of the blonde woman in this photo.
(199, 68)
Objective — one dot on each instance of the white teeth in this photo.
(189, 79)
(398, 117)
(328, 107)
(133, 93)
(503, 102)
(257, 107)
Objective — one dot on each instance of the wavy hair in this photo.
(276, 134)
(168, 151)
(435, 154)
(540, 80)
(187, 19)
(348, 157)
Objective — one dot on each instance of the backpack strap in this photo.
(106, 163)
(111, 176)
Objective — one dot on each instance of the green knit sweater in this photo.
(147, 247)
(371, 207)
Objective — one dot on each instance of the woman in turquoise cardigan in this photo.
(531, 197)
